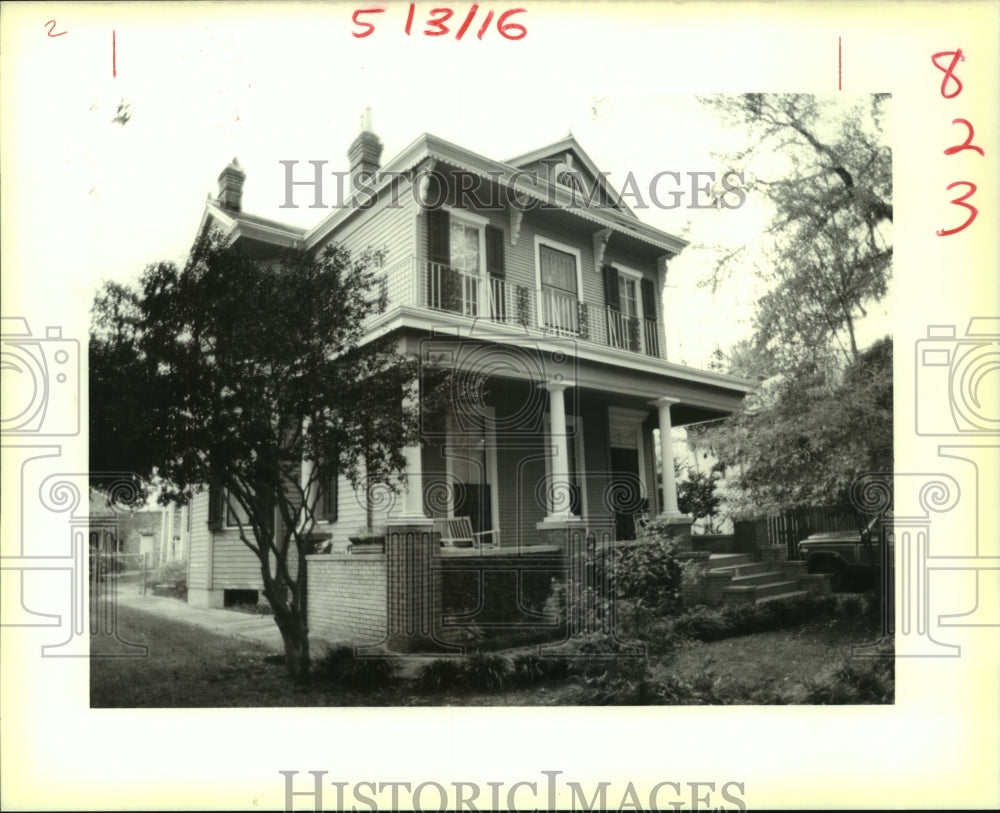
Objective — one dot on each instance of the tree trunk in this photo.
(295, 637)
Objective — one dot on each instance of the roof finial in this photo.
(366, 120)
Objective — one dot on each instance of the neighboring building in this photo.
(159, 535)
(529, 275)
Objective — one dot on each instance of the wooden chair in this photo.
(457, 532)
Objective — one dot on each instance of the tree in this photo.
(807, 435)
(696, 495)
(826, 171)
(228, 373)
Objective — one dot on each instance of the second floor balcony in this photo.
(440, 288)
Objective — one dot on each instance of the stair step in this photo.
(753, 568)
(720, 560)
(765, 577)
(779, 596)
(760, 590)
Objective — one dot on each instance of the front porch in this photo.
(527, 463)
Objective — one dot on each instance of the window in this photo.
(328, 500)
(456, 248)
(558, 270)
(236, 514)
(464, 247)
(631, 310)
(558, 286)
(224, 512)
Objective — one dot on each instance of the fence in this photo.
(791, 528)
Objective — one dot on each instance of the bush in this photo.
(440, 675)
(529, 669)
(480, 671)
(629, 584)
(715, 623)
(485, 671)
(174, 573)
(341, 665)
(855, 681)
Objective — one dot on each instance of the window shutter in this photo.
(611, 294)
(328, 500)
(215, 501)
(438, 236)
(648, 299)
(494, 252)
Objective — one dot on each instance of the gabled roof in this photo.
(237, 225)
(432, 147)
(556, 153)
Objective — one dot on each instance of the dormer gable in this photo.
(567, 165)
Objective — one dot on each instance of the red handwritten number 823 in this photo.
(961, 201)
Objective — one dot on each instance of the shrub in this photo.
(713, 624)
(485, 671)
(855, 681)
(174, 573)
(597, 654)
(528, 669)
(342, 666)
(440, 675)
(630, 583)
(702, 624)
(648, 573)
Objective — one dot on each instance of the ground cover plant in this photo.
(775, 653)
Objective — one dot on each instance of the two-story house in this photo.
(544, 292)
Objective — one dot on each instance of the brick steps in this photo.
(745, 581)
(750, 593)
(748, 570)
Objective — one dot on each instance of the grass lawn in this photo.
(189, 667)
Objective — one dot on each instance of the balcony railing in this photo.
(441, 288)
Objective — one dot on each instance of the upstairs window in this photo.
(558, 270)
(558, 286)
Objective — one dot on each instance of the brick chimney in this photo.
(231, 186)
(365, 152)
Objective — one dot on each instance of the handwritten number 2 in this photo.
(961, 201)
(52, 25)
(967, 144)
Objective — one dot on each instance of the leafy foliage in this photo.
(342, 666)
(806, 436)
(697, 495)
(229, 372)
(440, 675)
(826, 171)
(484, 670)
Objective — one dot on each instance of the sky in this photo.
(201, 89)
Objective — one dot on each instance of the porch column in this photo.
(413, 494)
(678, 524)
(667, 456)
(560, 483)
(166, 543)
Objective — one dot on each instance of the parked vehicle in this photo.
(848, 556)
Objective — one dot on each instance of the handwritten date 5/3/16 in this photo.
(440, 22)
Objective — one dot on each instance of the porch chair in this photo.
(458, 530)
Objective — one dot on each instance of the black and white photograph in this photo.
(402, 404)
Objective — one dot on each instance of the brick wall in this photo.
(347, 597)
